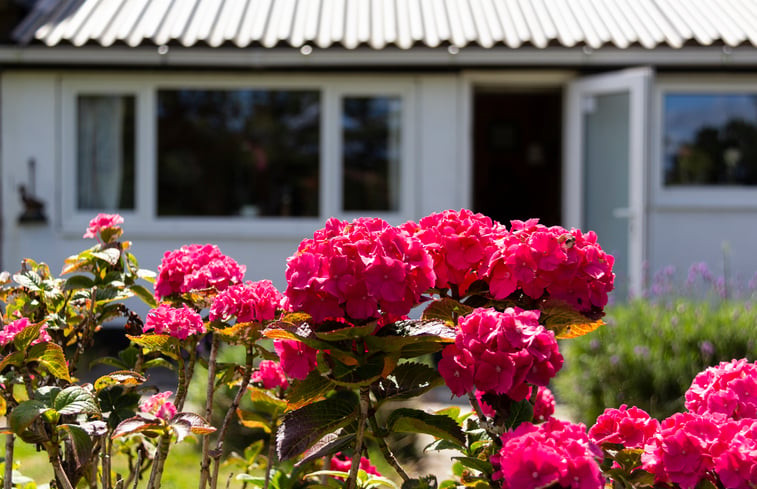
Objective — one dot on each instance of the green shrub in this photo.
(648, 353)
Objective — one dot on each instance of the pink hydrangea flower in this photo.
(359, 270)
(343, 463)
(297, 359)
(158, 405)
(180, 322)
(270, 374)
(555, 453)
(567, 265)
(460, 244)
(10, 330)
(500, 352)
(681, 452)
(735, 456)
(729, 388)
(196, 267)
(250, 301)
(631, 427)
(102, 222)
(544, 407)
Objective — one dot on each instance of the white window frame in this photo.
(143, 220)
(727, 197)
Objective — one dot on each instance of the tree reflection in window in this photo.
(710, 139)
(238, 153)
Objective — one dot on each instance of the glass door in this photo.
(606, 155)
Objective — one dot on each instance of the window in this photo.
(710, 139)
(235, 155)
(242, 153)
(105, 152)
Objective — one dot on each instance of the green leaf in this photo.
(51, 357)
(16, 359)
(147, 275)
(425, 482)
(108, 255)
(408, 380)
(144, 294)
(81, 443)
(314, 387)
(185, 423)
(24, 338)
(328, 445)
(28, 279)
(127, 378)
(357, 376)
(25, 414)
(411, 337)
(265, 402)
(162, 343)
(78, 282)
(482, 466)
(254, 420)
(3, 406)
(75, 400)
(137, 424)
(446, 310)
(301, 428)
(348, 333)
(565, 321)
(405, 420)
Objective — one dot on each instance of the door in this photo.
(606, 151)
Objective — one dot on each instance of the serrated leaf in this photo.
(239, 332)
(411, 337)
(28, 279)
(78, 282)
(446, 310)
(406, 420)
(75, 400)
(314, 387)
(185, 423)
(266, 402)
(51, 357)
(301, 428)
(408, 380)
(519, 412)
(357, 376)
(81, 443)
(24, 338)
(476, 464)
(136, 424)
(328, 445)
(565, 321)
(16, 359)
(127, 378)
(348, 333)
(157, 342)
(25, 414)
(108, 255)
(144, 294)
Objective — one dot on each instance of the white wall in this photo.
(30, 129)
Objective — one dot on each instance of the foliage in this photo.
(649, 351)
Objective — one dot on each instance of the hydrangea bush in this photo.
(328, 361)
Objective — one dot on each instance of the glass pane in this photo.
(371, 153)
(710, 139)
(105, 152)
(238, 153)
(606, 172)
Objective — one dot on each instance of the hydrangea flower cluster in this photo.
(555, 453)
(297, 359)
(158, 405)
(500, 352)
(270, 374)
(568, 265)
(358, 270)
(631, 427)
(343, 463)
(250, 301)
(729, 388)
(10, 330)
(460, 244)
(101, 222)
(196, 267)
(180, 322)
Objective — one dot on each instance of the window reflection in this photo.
(710, 139)
(371, 153)
(105, 152)
(238, 153)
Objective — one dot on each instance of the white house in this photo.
(247, 123)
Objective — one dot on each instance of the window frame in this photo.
(144, 220)
(730, 197)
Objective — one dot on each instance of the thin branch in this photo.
(482, 420)
(205, 460)
(364, 406)
(385, 450)
(8, 475)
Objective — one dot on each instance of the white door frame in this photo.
(636, 82)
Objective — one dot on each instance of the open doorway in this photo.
(517, 154)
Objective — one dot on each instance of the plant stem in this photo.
(231, 413)
(205, 460)
(157, 468)
(269, 462)
(107, 449)
(60, 474)
(482, 421)
(385, 450)
(365, 402)
(186, 369)
(8, 475)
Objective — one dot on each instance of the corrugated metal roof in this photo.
(381, 23)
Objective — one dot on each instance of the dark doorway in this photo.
(517, 143)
